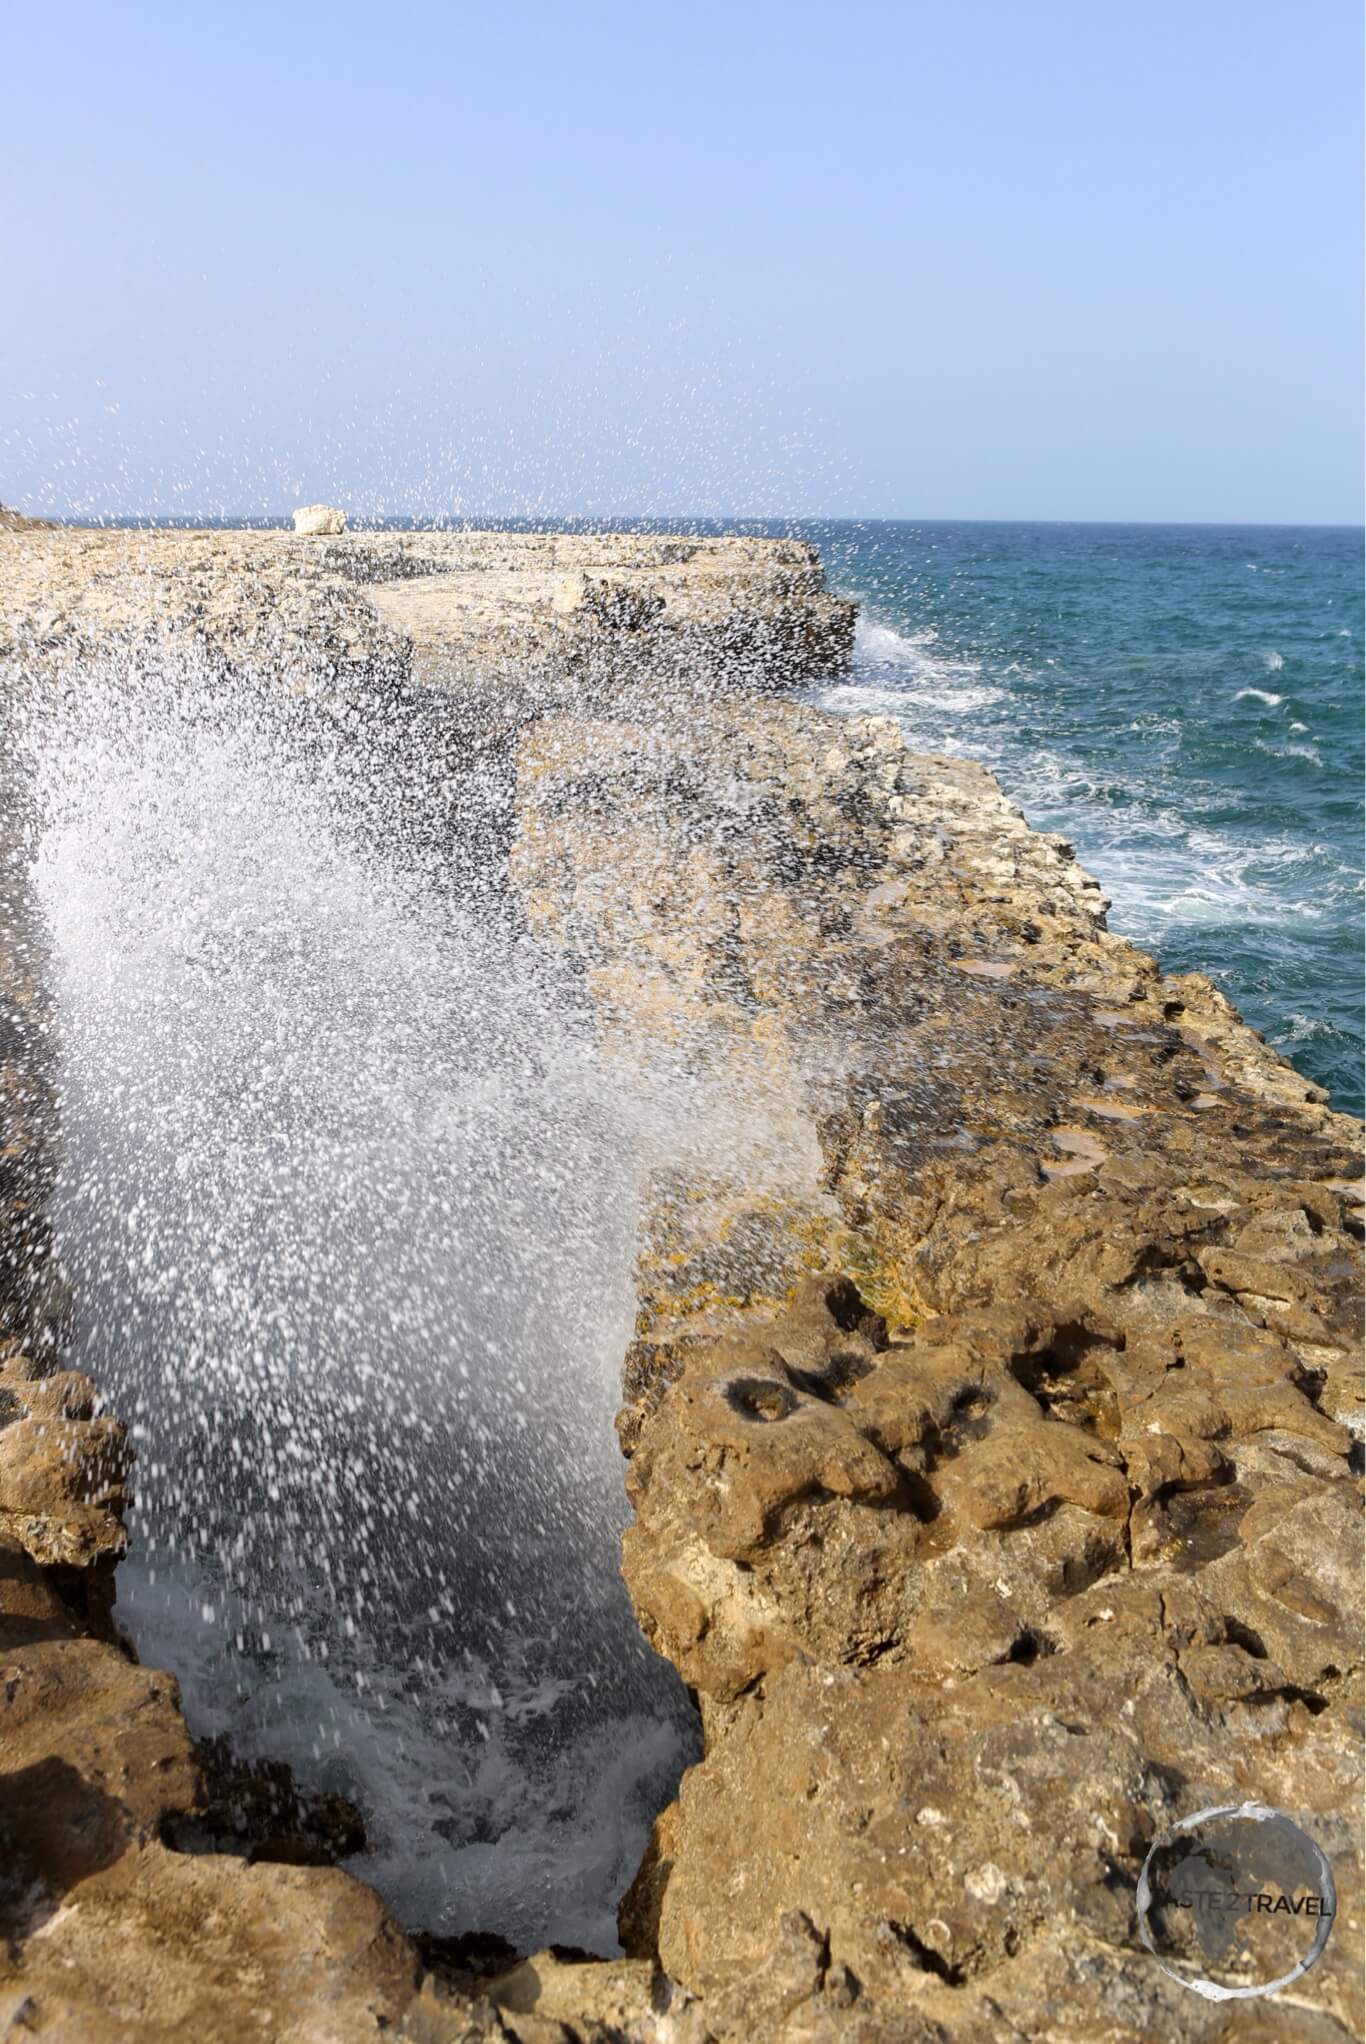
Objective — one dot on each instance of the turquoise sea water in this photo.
(1183, 702)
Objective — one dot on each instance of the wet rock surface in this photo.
(994, 1467)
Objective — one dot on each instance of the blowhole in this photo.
(760, 1398)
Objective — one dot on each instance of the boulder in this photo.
(319, 521)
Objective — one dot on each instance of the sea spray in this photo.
(347, 1206)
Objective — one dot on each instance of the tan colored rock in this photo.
(164, 1946)
(319, 521)
(471, 613)
(62, 1485)
(16, 521)
(945, 1715)
(613, 604)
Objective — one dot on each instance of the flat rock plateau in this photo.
(996, 1491)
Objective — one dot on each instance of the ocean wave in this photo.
(959, 701)
(889, 648)
(861, 699)
(1309, 752)
(1306, 1029)
(934, 679)
(1259, 695)
(1156, 893)
(1164, 872)
(1153, 726)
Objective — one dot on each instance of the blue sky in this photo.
(965, 259)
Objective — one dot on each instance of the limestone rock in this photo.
(615, 605)
(1088, 1277)
(471, 614)
(62, 1470)
(319, 521)
(16, 521)
(163, 1945)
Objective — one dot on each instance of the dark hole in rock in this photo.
(968, 1419)
(919, 1496)
(1031, 1645)
(926, 1957)
(1202, 1524)
(1239, 1635)
(844, 1368)
(256, 1808)
(760, 1398)
(845, 1307)
(471, 1957)
(1291, 1693)
(1069, 1381)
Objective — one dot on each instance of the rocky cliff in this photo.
(992, 1429)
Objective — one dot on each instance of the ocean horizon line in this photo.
(268, 521)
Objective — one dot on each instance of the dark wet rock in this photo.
(256, 1808)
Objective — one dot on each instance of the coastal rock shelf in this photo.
(514, 620)
(994, 1491)
(993, 1426)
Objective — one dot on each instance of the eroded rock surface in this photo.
(993, 1434)
(515, 622)
(998, 1498)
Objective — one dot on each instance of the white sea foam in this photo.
(933, 678)
(1273, 661)
(1304, 1029)
(1309, 752)
(1160, 870)
(888, 648)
